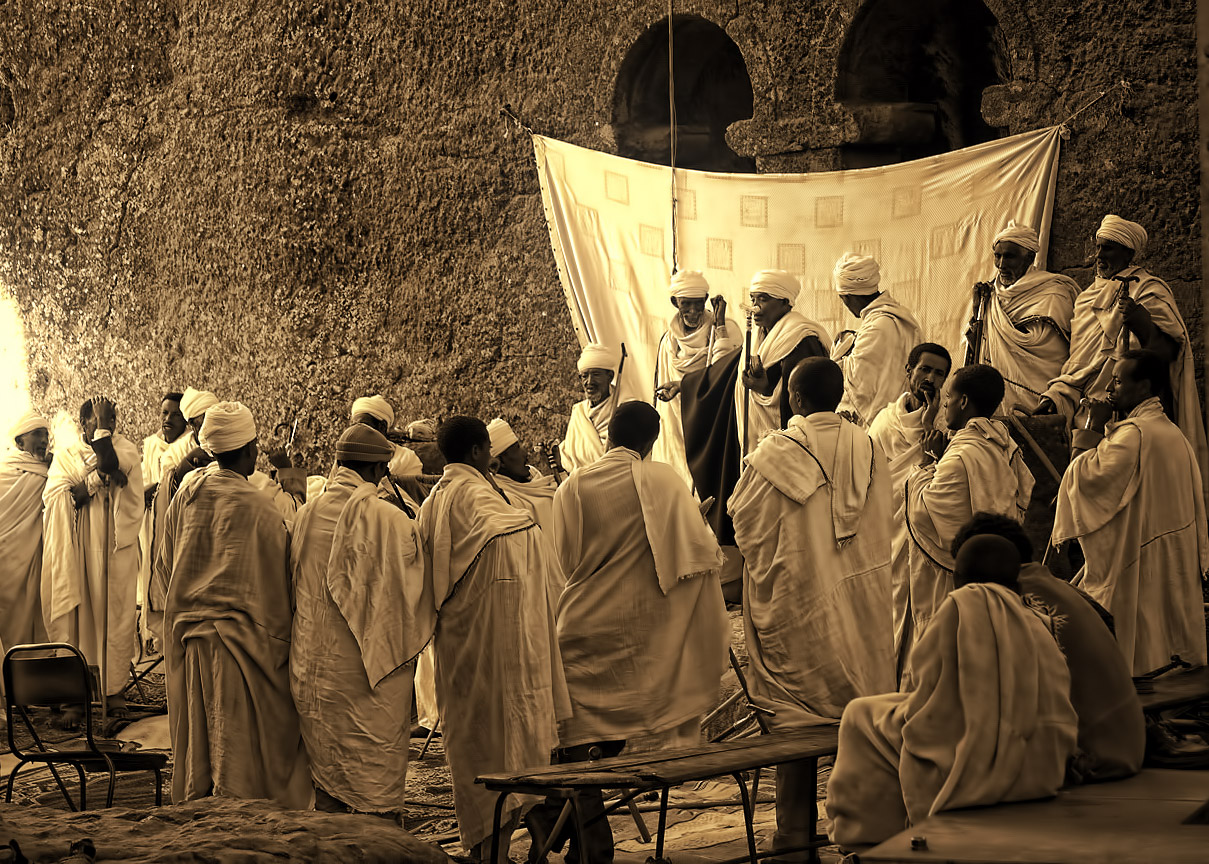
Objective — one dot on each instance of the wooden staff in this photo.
(746, 390)
(982, 291)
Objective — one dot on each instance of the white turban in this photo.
(1123, 231)
(28, 422)
(689, 284)
(856, 274)
(597, 356)
(196, 402)
(502, 436)
(776, 283)
(375, 406)
(228, 426)
(1022, 235)
(422, 430)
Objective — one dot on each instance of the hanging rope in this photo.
(1120, 85)
(671, 119)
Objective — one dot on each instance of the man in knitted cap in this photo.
(872, 357)
(23, 469)
(1127, 307)
(1027, 320)
(499, 678)
(227, 624)
(642, 625)
(812, 517)
(99, 468)
(363, 611)
(588, 427)
(695, 338)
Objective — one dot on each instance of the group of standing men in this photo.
(578, 618)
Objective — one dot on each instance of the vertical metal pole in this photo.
(107, 543)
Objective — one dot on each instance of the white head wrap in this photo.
(196, 402)
(856, 274)
(502, 436)
(228, 426)
(375, 406)
(776, 283)
(422, 430)
(1123, 231)
(1022, 235)
(689, 284)
(28, 422)
(597, 356)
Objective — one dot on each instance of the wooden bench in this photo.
(1136, 821)
(1176, 689)
(660, 771)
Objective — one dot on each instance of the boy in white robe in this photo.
(172, 427)
(1132, 498)
(695, 338)
(812, 517)
(499, 678)
(23, 471)
(898, 429)
(363, 610)
(1027, 321)
(100, 466)
(872, 356)
(588, 427)
(981, 469)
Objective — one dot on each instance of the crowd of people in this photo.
(863, 494)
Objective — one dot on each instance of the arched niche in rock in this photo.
(712, 91)
(913, 75)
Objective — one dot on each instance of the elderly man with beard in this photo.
(898, 429)
(588, 428)
(23, 473)
(695, 338)
(1026, 328)
(1125, 308)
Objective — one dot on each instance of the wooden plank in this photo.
(1177, 688)
(1081, 826)
(747, 754)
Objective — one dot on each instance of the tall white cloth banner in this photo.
(929, 223)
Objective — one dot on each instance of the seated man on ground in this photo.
(988, 718)
(1112, 730)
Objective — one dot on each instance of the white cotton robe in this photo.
(874, 358)
(363, 612)
(642, 625)
(499, 678)
(898, 430)
(227, 621)
(1134, 504)
(22, 479)
(812, 518)
(680, 353)
(536, 495)
(1026, 333)
(587, 432)
(1097, 341)
(154, 448)
(982, 470)
(988, 720)
(73, 557)
(771, 347)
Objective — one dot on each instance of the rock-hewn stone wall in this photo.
(295, 202)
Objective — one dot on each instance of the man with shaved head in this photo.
(499, 678)
(812, 517)
(942, 743)
(642, 626)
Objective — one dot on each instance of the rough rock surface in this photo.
(293, 203)
(213, 831)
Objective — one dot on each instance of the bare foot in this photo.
(70, 719)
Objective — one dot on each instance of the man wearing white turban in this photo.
(872, 357)
(23, 469)
(1027, 323)
(404, 467)
(363, 612)
(1108, 321)
(783, 338)
(100, 467)
(588, 427)
(524, 486)
(227, 625)
(695, 338)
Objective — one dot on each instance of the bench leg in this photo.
(585, 855)
(495, 827)
(814, 813)
(659, 859)
(749, 806)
